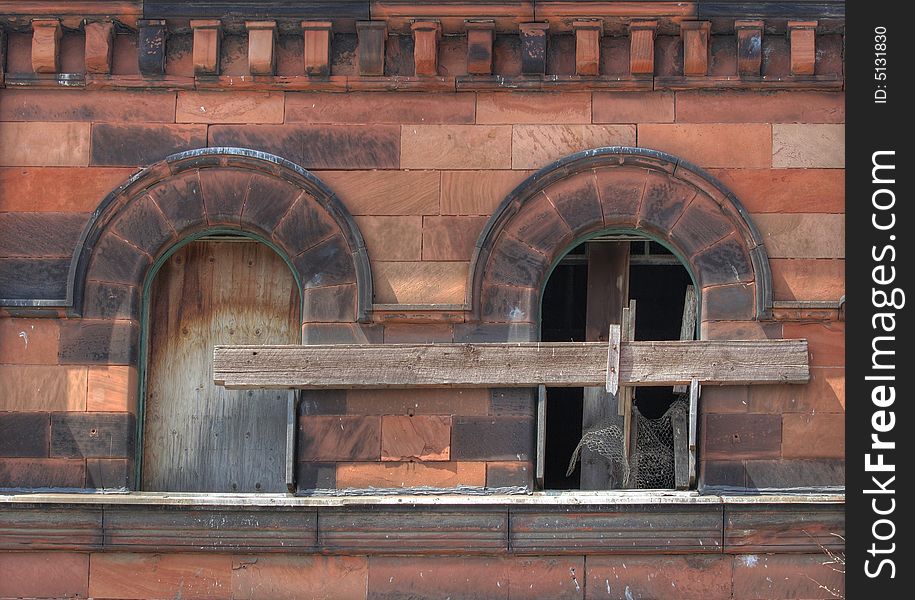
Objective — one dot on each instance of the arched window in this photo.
(223, 245)
(625, 197)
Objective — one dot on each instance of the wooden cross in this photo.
(611, 364)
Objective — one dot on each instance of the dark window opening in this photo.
(658, 282)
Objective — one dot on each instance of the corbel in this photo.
(479, 46)
(46, 34)
(317, 36)
(802, 38)
(641, 47)
(695, 36)
(261, 54)
(534, 40)
(99, 46)
(207, 38)
(151, 47)
(426, 35)
(372, 36)
(587, 46)
(749, 47)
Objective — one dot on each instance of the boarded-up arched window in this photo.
(197, 436)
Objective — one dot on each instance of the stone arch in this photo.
(221, 189)
(620, 188)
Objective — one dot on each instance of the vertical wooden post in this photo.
(627, 393)
(679, 423)
(802, 36)
(587, 46)
(99, 45)
(749, 47)
(317, 37)
(641, 47)
(372, 37)
(540, 465)
(694, 391)
(534, 41)
(479, 46)
(291, 422)
(608, 291)
(688, 323)
(425, 47)
(695, 47)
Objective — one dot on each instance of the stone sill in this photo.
(570, 498)
(574, 523)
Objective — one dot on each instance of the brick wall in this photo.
(421, 171)
(420, 189)
(276, 577)
(420, 162)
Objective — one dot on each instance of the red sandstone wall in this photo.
(278, 577)
(421, 172)
(439, 165)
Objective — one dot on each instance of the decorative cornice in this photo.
(707, 46)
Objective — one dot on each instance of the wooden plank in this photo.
(687, 324)
(613, 360)
(680, 424)
(291, 421)
(627, 393)
(199, 437)
(694, 391)
(560, 364)
(608, 288)
(540, 466)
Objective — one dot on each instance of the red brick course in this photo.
(826, 342)
(813, 435)
(424, 438)
(44, 575)
(29, 341)
(686, 577)
(380, 107)
(139, 576)
(712, 145)
(410, 474)
(755, 107)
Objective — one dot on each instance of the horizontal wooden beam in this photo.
(557, 364)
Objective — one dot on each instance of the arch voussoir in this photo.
(217, 189)
(731, 302)
(577, 202)
(225, 190)
(623, 189)
(620, 191)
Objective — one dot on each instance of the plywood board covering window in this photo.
(197, 436)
